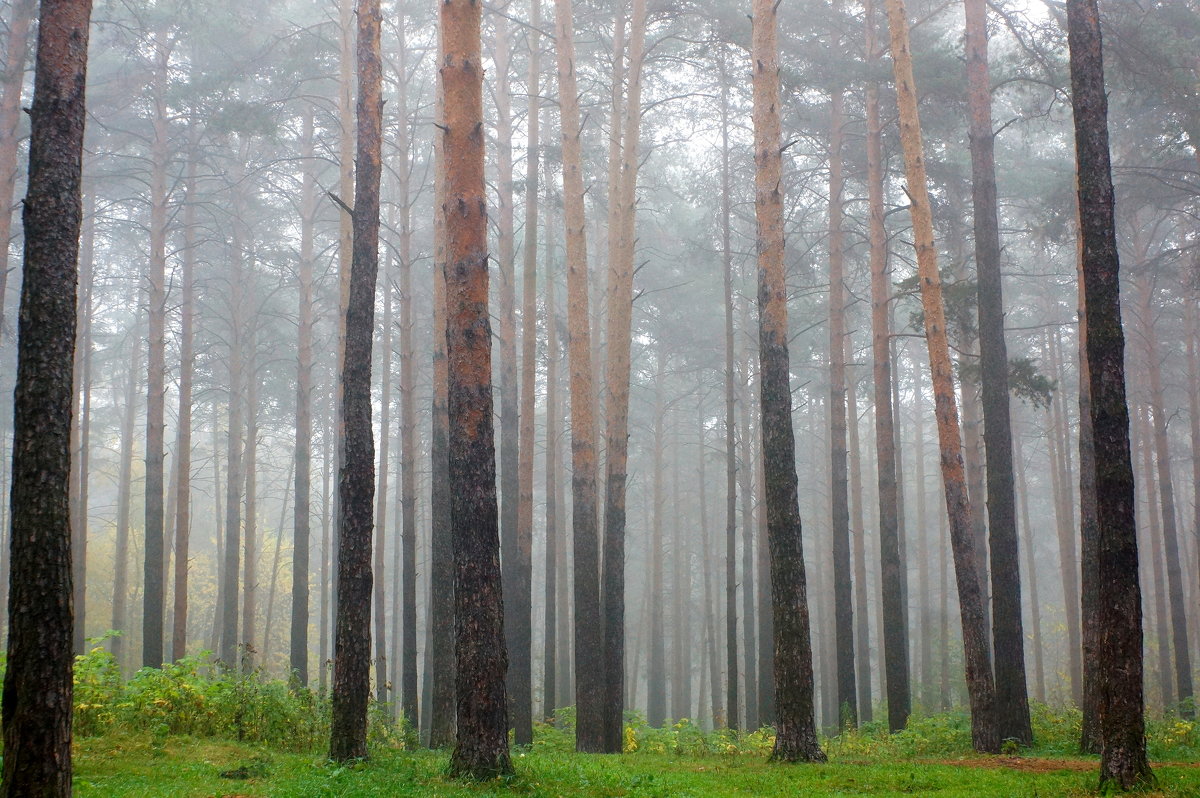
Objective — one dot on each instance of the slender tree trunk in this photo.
(979, 673)
(589, 663)
(81, 403)
(862, 642)
(620, 311)
(1123, 763)
(843, 601)
(276, 558)
(705, 563)
(407, 657)
(656, 672)
(523, 658)
(124, 499)
(517, 590)
(250, 540)
(356, 477)
(302, 518)
(731, 667)
(481, 751)
(766, 627)
(153, 589)
(379, 576)
(327, 461)
(923, 587)
(1012, 703)
(1152, 533)
(750, 643)
(796, 737)
(1035, 606)
(442, 729)
(895, 616)
(15, 54)
(554, 544)
(38, 678)
(1089, 739)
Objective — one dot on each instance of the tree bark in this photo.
(979, 673)
(356, 478)
(1089, 739)
(843, 601)
(15, 54)
(796, 737)
(38, 678)
(895, 616)
(1123, 762)
(862, 631)
(589, 662)
(751, 645)
(1012, 701)
(656, 669)
(379, 575)
(481, 751)
(554, 542)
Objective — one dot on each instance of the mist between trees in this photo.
(815, 322)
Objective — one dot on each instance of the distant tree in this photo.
(481, 751)
(356, 480)
(1123, 763)
(16, 52)
(38, 679)
(796, 737)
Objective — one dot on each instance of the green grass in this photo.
(137, 766)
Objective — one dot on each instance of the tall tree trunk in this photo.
(249, 635)
(81, 404)
(589, 662)
(356, 477)
(731, 666)
(442, 728)
(923, 587)
(153, 588)
(656, 668)
(1152, 534)
(1035, 606)
(1123, 761)
(379, 575)
(620, 311)
(38, 677)
(975, 645)
(183, 426)
(843, 601)
(523, 658)
(705, 563)
(796, 736)
(895, 616)
(1166, 490)
(481, 658)
(766, 627)
(554, 543)
(275, 563)
(327, 461)
(407, 647)
(750, 642)
(120, 596)
(517, 590)
(1089, 738)
(15, 54)
(302, 518)
(1012, 701)
(862, 631)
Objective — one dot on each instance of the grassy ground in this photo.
(120, 766)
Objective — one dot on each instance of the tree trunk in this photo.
(327, 460)
(1012, 702)
(554, 542)
(1123, 763)
(750, 642)
(1035, 606)
(710, 626)
(589, 662)
(15, 53)
(1089, 739)
(81, 404)
(379, 576)
(796, 737)
(620, 311)
(481, 657)
(843, 601)
(1152, 534)
(862, 642)
(442, 728)
(152, 612)
(523, 657)
(731, 667)
(38, 678)
(356, 477)
(302, 518)
(124, 499)
(895, 616)
(250, 541)
(656, 669)
(979, 673)
(923, 587)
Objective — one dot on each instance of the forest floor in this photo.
(125, 766)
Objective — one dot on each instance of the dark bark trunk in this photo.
(1012, 702)
(38, 679)
(302, 518)
(356, 478)
(1123, 761)
(1089, 739)
(796, 738)
(481, 657)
